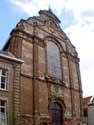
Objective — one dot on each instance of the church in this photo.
(40, 81)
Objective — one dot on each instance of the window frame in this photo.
(54, 75)
(3, 76)
(5, 112)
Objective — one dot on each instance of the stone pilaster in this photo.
(16, 96)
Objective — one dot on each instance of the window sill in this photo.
(4, 90)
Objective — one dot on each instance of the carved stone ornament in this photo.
(44, 120)
(52, 26)
(56, 91)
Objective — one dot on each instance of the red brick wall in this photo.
(15, 46)
(67, 100)
(76, 99)
(74, 74)
(43, 98)
(26, 95)
(27, 56)
(41, 62)
(65, 71)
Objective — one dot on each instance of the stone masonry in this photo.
(35, 89)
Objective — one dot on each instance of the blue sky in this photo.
(77, 21)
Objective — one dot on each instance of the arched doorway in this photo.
(57, 114)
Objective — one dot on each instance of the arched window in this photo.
(57, 114)
(53, 59)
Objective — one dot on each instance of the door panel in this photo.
(56, 114)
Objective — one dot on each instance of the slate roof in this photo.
(7, 53)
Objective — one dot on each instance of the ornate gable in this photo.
(46, 22)
(46, 25)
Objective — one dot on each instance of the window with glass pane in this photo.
(3, 78)
(2, 112)
(53, 59)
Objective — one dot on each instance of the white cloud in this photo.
(76, 6)
(79, 6)
(82, 36)
(30, 7)
(88, 78)
(81, 33)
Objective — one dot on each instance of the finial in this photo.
(50, 8)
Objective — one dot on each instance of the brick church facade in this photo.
(39, 74)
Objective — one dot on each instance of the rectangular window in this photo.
(3, 112)
(3, 78)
